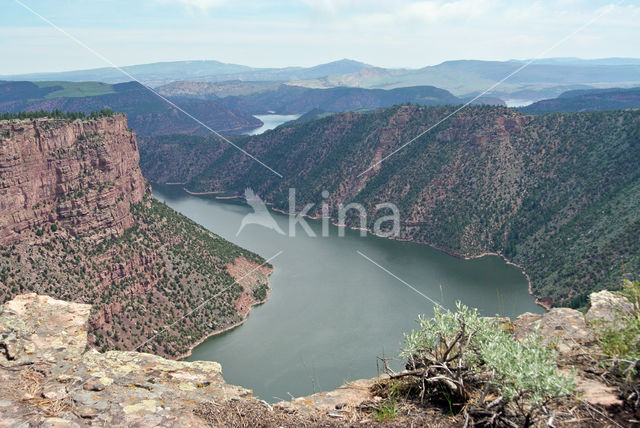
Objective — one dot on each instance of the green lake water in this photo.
(331, 311)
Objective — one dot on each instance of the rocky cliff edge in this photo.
(81, 174)
(50, 379)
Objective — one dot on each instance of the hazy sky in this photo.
(389, 33)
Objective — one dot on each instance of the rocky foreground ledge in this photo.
(50, 379)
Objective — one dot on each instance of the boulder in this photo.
(564, 328)
(607, 308)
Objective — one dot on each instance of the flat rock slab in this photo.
(50, 381)
(564, 328)
(40, 328)
(337, 403)
(596, 393)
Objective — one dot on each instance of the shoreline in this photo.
(538, 301)
(199, 193)
(522, 269)
(244, 319)
(209, 335)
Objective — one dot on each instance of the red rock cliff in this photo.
(81, 174)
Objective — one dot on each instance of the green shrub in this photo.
(260, 293)
(466, 357)
(387, 409)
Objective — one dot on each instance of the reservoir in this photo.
(271, 121)
(332, 311)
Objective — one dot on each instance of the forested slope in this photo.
(558, 194)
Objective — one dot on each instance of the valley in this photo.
(271, 121)
(291, 220)
(488, 180)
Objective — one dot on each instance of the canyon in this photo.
(79, 223)
(486, 180)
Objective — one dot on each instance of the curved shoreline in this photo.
(220, 331)
(196, 193)
(522, 269)
(538, 301)
(245, 315)
(223, 330)
(435, 247)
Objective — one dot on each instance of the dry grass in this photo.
(29, 388)
(255, 413)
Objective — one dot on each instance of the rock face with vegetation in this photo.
(79, 223)
(82, 176)
(557, 194)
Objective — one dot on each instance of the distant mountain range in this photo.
(544, 78)
(588, 100)
(147, 113)
(580, 61)
(164, 72)
(287, 99)
(467, 78)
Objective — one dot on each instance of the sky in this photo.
(386, 33)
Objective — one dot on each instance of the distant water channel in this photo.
(271, 121)
(331, 311)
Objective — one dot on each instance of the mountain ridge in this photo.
(147, 113)
(544, 78)
(488, 179)
(164, 72)
(587, 100)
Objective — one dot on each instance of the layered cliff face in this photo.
(79, 223)
(82, 175)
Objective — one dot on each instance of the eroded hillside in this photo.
(79, 223)
(558, 194)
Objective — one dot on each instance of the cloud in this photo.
(199, 4)
(404, 11)
(441, 11)
(348, 7)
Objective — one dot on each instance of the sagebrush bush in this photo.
(471, 356)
